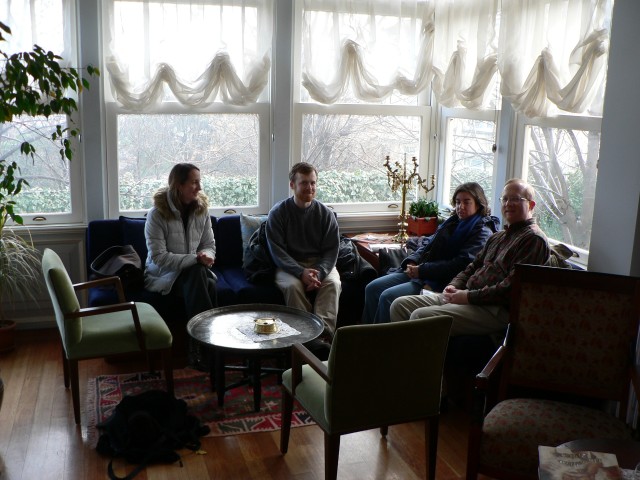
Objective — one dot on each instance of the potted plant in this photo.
(32, 84)
(19, 259)
(423, 217)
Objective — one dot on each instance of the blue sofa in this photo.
(232, 287)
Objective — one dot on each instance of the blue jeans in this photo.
(380, 293)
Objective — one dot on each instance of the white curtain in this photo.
(368, 49)
(194, 52)
(554, 52)
(47, 23)
(365, 49)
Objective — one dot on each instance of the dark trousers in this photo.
(197, 288)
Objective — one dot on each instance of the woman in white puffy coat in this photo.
(180, 242)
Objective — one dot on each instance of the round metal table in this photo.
(229, 331)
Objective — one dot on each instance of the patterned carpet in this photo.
(235, 417)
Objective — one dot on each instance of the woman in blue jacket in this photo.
(440, 257)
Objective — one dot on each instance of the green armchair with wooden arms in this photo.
(360, 388)
(101, 331)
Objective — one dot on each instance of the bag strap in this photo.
(143, 463)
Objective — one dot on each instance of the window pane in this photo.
(223, 147)
(350, 152)
(469, 150)
(48, 174)
(562, 166)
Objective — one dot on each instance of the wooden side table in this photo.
(368, 245)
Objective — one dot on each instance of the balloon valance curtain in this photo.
(549, 55)
(194, 52)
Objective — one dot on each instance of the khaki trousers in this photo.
(467, 319)
(327, 298)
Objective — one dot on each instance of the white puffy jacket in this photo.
(171, 248)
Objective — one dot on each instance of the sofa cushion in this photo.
(133, 234)
(248, 225)
(101, 234)
(248, 292)
(228, 241)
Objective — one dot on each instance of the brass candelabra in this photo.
(400, 178)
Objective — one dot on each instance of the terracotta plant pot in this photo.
(7, 335)
(419, 226)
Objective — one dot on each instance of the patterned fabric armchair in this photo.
(568, 357)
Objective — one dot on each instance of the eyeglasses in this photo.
(506, 200)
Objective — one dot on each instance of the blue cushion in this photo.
(133, 234)
(247, 292)
(101, 234)
(248, 225)
(228, 241)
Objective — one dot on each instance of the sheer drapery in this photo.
(554, 52)
(194, 52)
(47, 23)
(368, 49)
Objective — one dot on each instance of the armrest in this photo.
(484, 377)
(301, 355)
(117, 307)
(90, 311)
(483, 397)
(115, 281)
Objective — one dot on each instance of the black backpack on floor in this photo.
(149, 428)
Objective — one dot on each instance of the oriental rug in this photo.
(236, 416)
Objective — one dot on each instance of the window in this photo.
(54, 194)
(560, 159)
(347, 121)
(224, 146)
(188, 87)
(467, 151)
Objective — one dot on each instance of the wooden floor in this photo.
(38, 437)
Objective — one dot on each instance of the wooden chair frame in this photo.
(70, 366)
(492, 383)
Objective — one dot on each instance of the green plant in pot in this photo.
(32, 84)
(422, 208)
(19, 259)
(423, 217)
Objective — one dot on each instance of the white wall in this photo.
(615, 245)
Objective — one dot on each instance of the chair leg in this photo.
(285, 422)
(75, 389)
(65, 368)
(431, 445)
(331, 455)
(167, 362)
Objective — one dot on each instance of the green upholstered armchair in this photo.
(359, 388)
(569, 352)
(101, 331)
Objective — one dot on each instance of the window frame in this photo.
(77, 214)
(519, 163)
(356, 212)
(262, 110)
(425, 168)
(443, 184)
